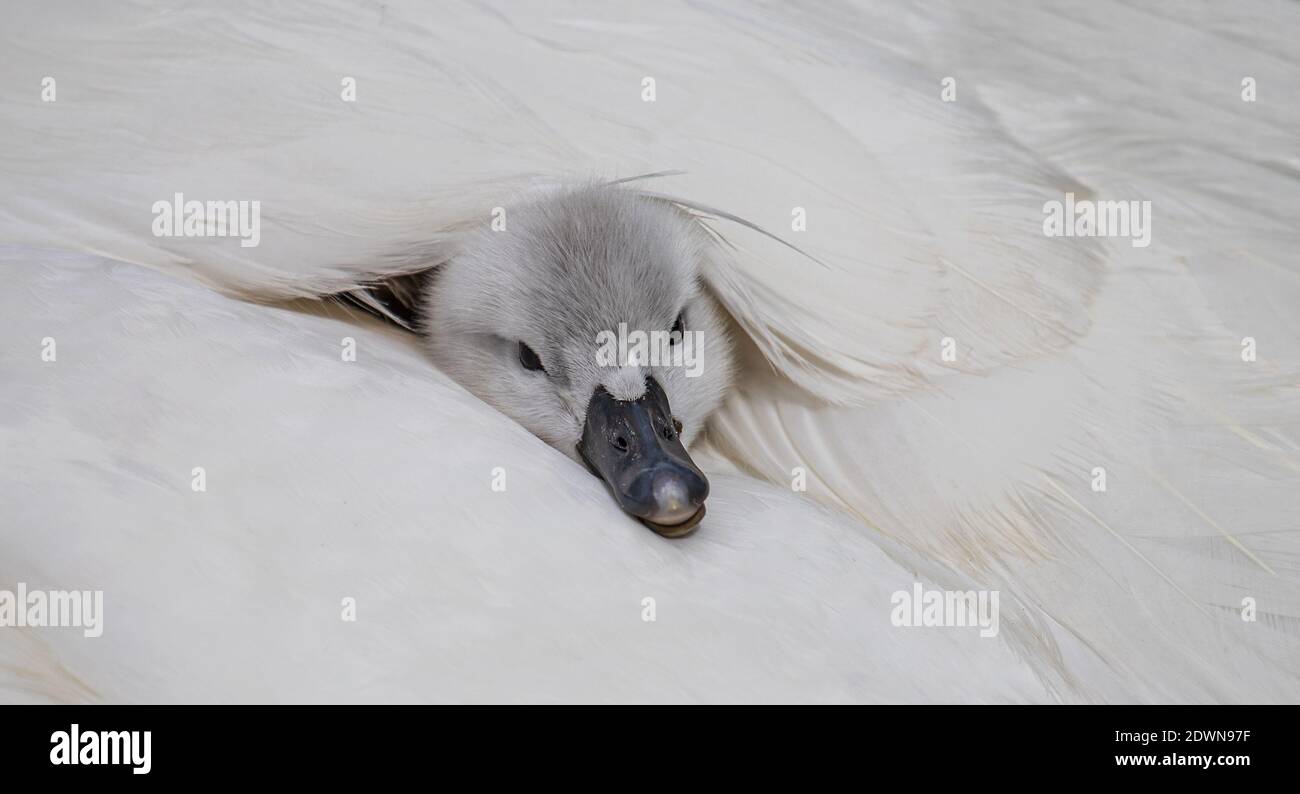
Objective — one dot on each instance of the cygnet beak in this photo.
(635, 446)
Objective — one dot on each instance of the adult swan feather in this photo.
(969, 403)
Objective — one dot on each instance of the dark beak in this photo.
(636, 448)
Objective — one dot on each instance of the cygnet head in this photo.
(586, 320)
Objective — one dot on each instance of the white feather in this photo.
(370, 478)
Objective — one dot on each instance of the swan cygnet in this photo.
(524, 317)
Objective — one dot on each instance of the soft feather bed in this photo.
(371, 479)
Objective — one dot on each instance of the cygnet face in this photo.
(586, 321)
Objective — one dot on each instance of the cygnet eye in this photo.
(675, 335)
(529, 359)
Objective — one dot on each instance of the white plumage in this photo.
(370, 479)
